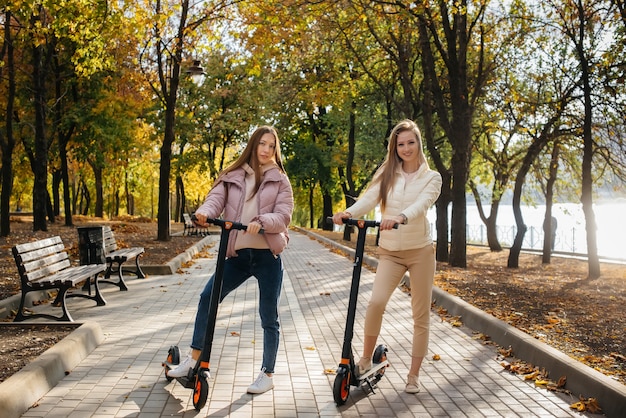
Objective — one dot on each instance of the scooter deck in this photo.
(186, 381)
(374, 370)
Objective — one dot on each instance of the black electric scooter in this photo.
(346, 371)
(198, 377)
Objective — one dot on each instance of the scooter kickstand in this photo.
(369, 384)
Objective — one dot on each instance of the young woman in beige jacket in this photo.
(405, 188)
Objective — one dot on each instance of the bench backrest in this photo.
(110, 244)
(188, 221)
(42, 258)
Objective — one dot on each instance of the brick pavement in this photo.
(123, 376)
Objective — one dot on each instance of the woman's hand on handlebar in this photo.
(253, 228)
(389, 223)
(340, 216)
(200, 220)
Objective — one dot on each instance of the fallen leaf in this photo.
(587, 405)
(506, 352)
(531, 376)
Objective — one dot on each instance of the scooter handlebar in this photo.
(361, 223)
(225, 224)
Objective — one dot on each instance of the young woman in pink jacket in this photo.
(405, 188)
(255, 191)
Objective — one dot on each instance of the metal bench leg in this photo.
(61, 298)
(58, 301)
(98, 297)
(120, 282)
(20, 312)
(139, 272)
(120, 275)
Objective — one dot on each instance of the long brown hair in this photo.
(249, 155)
(393, 162)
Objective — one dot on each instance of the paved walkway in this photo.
(123, 376)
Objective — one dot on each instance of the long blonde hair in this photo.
(387, 171)
(249, 156)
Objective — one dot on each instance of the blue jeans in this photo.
(268, 270)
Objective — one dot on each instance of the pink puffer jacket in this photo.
(275, 203)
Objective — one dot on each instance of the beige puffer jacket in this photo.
(413, 199)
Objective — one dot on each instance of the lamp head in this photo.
(196, 72)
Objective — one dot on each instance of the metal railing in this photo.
(568, 241)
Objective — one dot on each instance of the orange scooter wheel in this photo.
(341, 388)
(200, 392)
(173, 357)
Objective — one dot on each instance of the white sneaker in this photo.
(262, 384)
(183, 368)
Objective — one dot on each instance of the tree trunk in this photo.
(7, 142)
(348, 185)
(86, 197)
(549, 221)
(587, 178)
(489, 221)
(348, 229)
(442, 252)
(67, 197)
(163, 214)
(441, 223)
(327, 211)
(181, 200)
(460, 167)
(7, 183)
(97, 173)
(170, 79)
(56, 196)
(531, 154)
(116, 200)
(311, 207)
(50, 209)
(40, 162)
(130, 207)
(457, 126)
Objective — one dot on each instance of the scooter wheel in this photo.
(341, 388)
(380, 355)
(173, 357)
(200, 392)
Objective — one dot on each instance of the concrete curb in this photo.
(188, 255)
(174, 264)
(20, 391)
(581, 379)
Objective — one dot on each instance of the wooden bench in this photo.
(115, 257)
(191, 228)
(45, 264)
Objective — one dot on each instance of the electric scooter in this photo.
(346, 371)
(198, 377)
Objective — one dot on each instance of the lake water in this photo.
(570, 234)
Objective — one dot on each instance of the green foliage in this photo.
(305, 68)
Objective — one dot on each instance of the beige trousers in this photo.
(392, 265)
